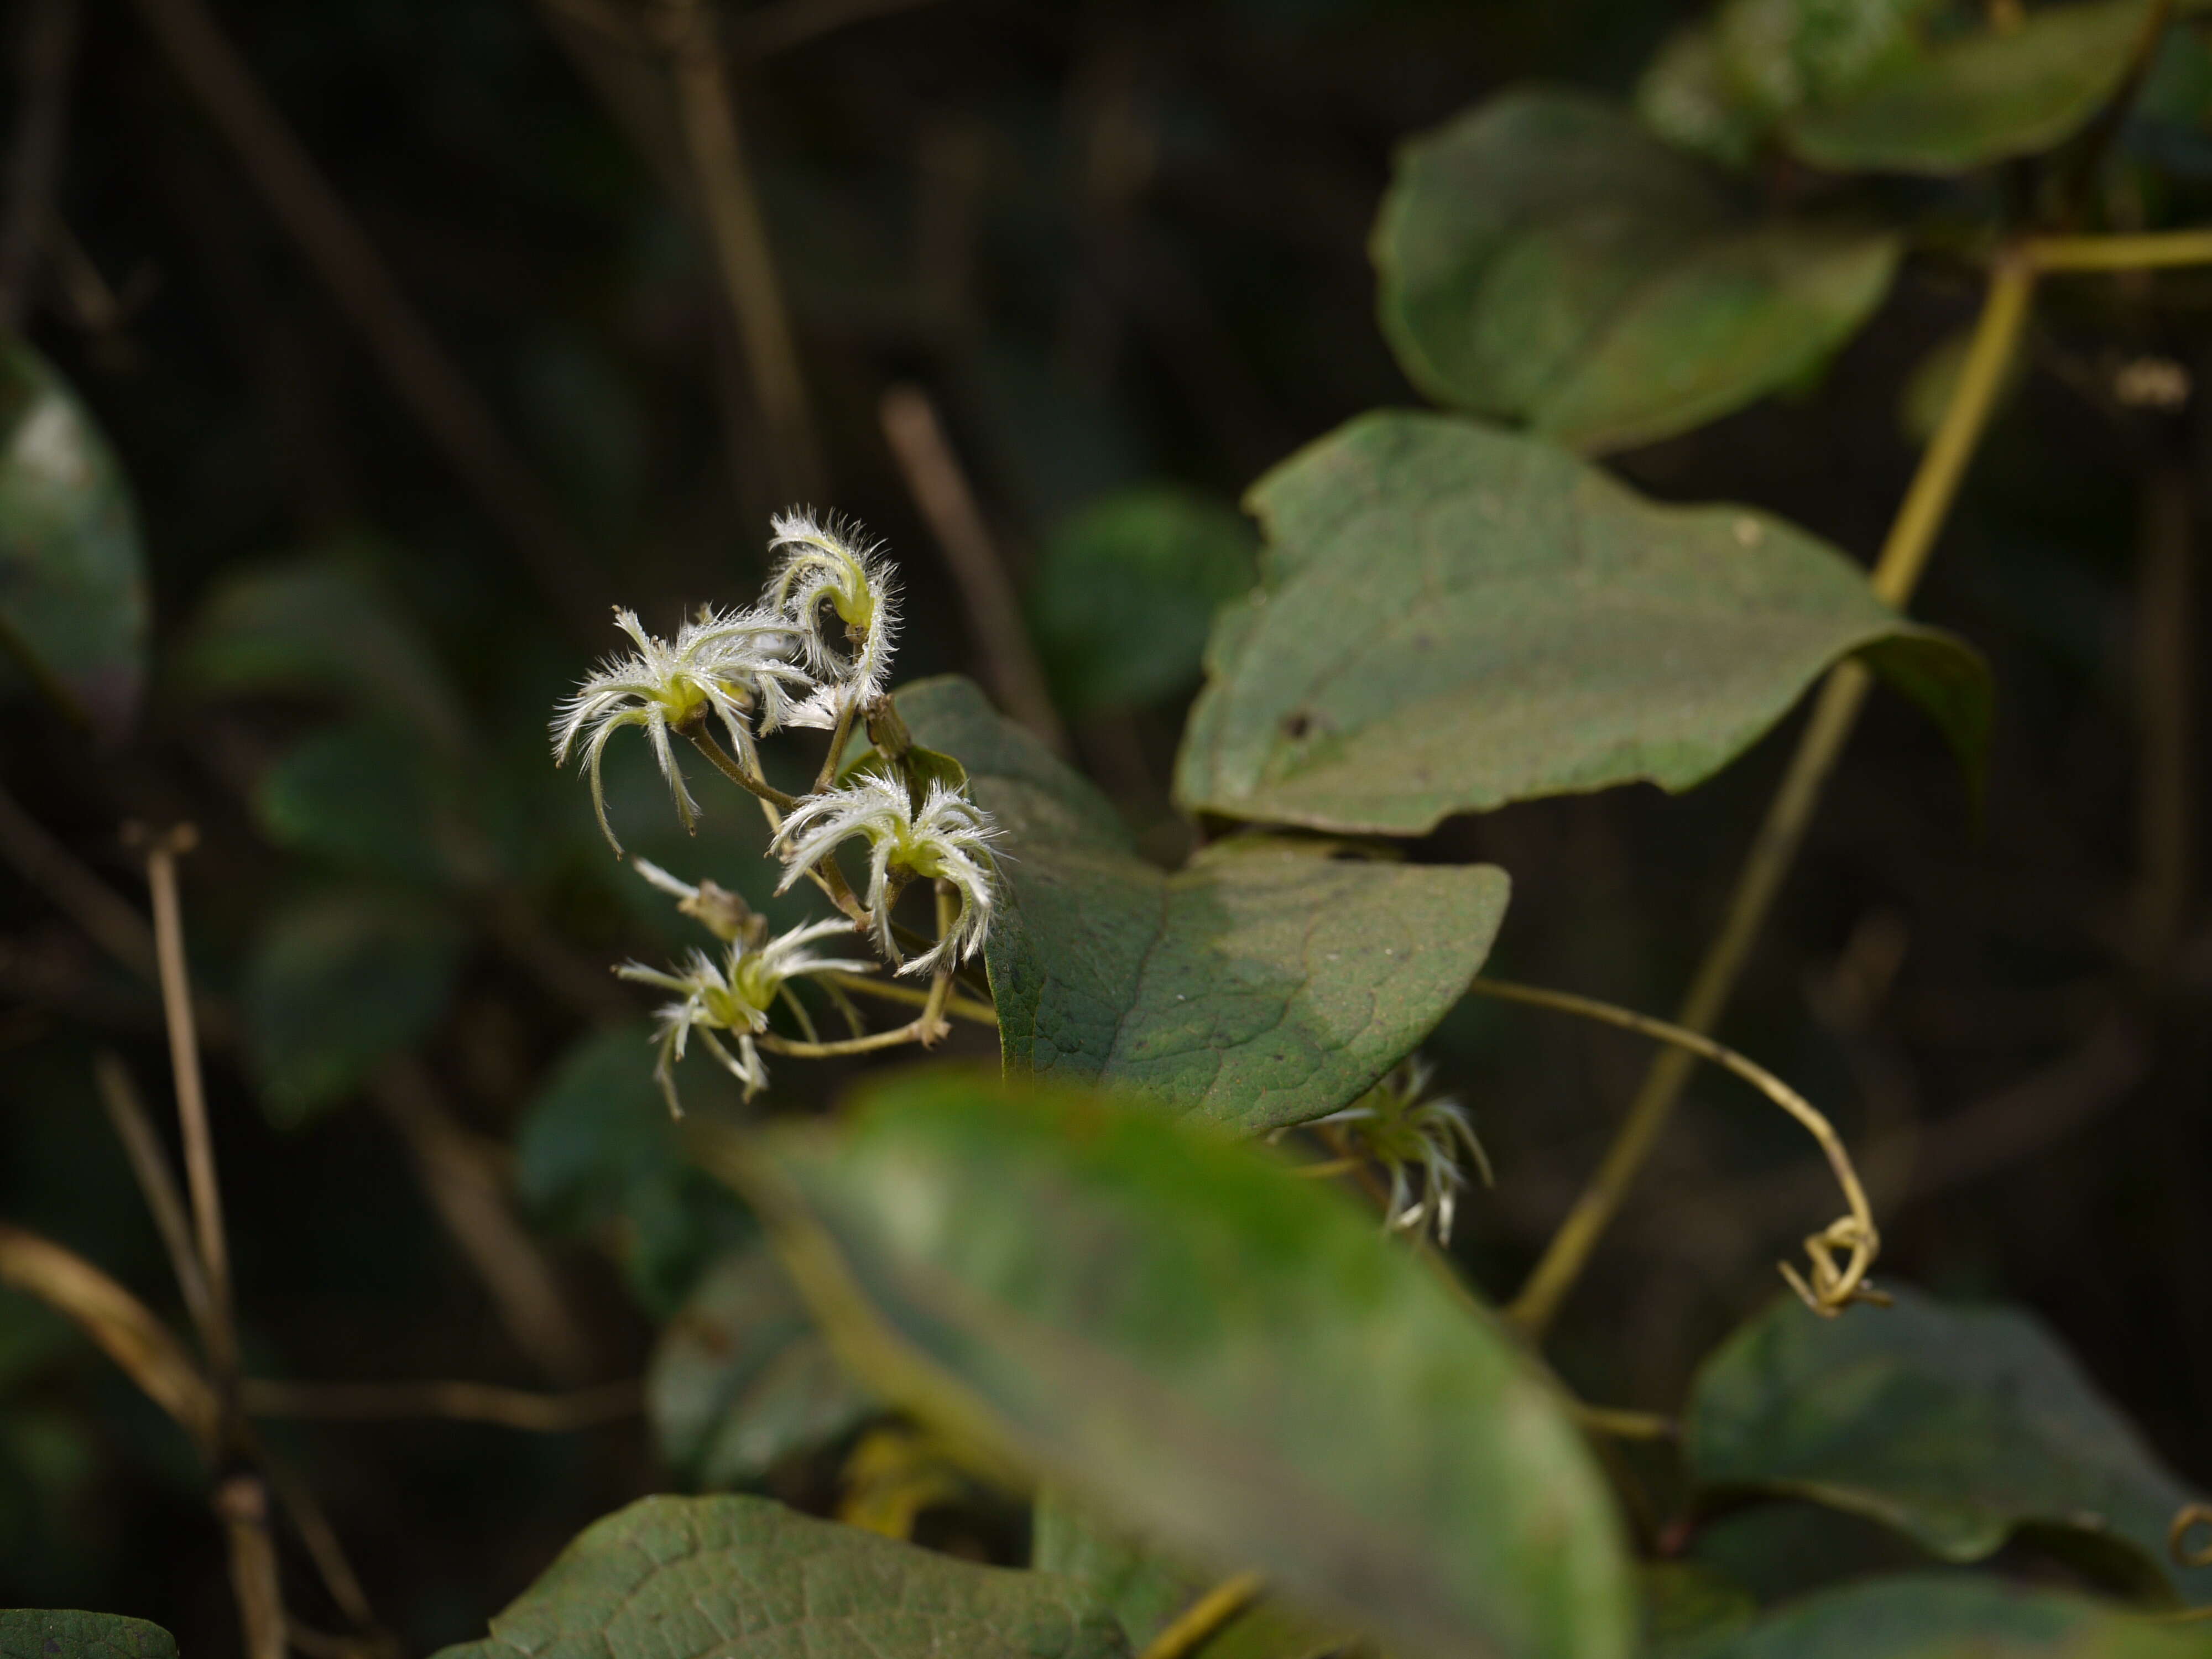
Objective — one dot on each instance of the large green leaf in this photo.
(1124, 592)
(31, 1633)
(1451, 617)
(336, 984)
(73, 604)
(1206, 1348)
(1545, 259)
(744, 1578)
(1959, 1426)
(1267, 984)
(1956, 1618)
(1982, 98)
(743, 1378)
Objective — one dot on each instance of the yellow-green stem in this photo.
(1903, 556)
(1204, 1618)
(914, 996)
(2159, 250)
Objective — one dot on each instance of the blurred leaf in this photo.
(337, 983)
(323, 624)
(366, 795)
(1545, 260)
(596, 1152)
(1957, 1426)
(1687, 1605)
(1451, 617)
(1266, 984)
(1782, 1549)
(1124, 592)
(1685, 97)
(73, 602)
(1966, 102)
(743, 1378)
(735, 1577)
(1927, 390)
(28, 1633)
(1208, 1349)
(1960, 1618)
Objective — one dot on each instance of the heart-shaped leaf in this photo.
(1959, 1426)
(1955, 1617)
(743, 1378)
(1545, 259)
(1269, 984)
(1451, 617)
(1206, 1348)
(744, 1578)
(73, 605)
(33, 1634)
(1982, 98)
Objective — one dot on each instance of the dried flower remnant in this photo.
(1393, 1124)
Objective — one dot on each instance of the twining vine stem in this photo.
(1904, 556)
(1832, 1289)
(1200, 1622)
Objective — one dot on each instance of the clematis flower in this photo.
(1394, 1126)
(829, 562)
(735, 665)
(734, 996)
(948, 840)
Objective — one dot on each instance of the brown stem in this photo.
(149, 1165)
(940, 490)
(742, 253)
(46, 49)
(729, 766)
(461, 1402)
(2165, 634)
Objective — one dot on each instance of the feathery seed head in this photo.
(735, 666)
(733, 996)
(1393, 1125)
(831, 562)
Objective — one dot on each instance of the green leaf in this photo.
(1957, 1426)
(29, 1633)
(1207, 1349)
(1451, 617)
(1268, 983)
(1686, 97)
(743, 1378)
(323, 624)
(596, 1152)
(1124, 592)
(1984, 97)
(1544, 258)
(744, 1578)
(1956, 1618)
(73, 602)
(1687, 1605)
(372, 796)
(338, 983)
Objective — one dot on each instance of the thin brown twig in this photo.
(462, 1402)
(948, 505)
(200, 1179)
(45, 52)
(416, 367)
(738, 231)
(783, 24)
(466, 1191)
(149, 1165)
(2165, 661)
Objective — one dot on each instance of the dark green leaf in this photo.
(596, 1152)
(1208, 1349)
(1126, 590)
(1985, 97)
(1957, 1426)
(28, 1634)
(1686, 96)
(1451, 617)
(1545, 260)
(1143, 1587)
(1956, 1618)
(1687, 1605)
(371, 796)
(743, 1378)
(744, 1578)
(338, 983)
(323, 625)
(1267, 984)
(73, 605)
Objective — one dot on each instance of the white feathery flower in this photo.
(722, 913)
(831, 562)
(734, 665)
(1393, 1124)
(948, 840)
(733, 996)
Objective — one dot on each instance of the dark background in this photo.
(1119, 243)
